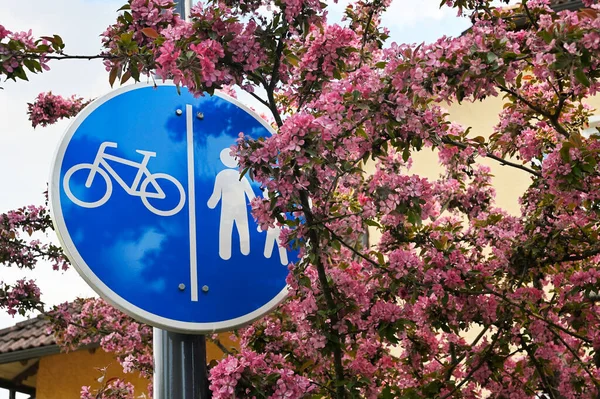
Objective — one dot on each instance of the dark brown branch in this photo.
(502, 161)
(66, 56)
(552, 118)
(260, 100)
(573, 258)
(576, 356)
(459, 360)
(351, 248)
(366, 35)
(220, 345)
(540, 370)
(270, 88)
(474, 369)
(537, 316)
(529, 16)
(328, 294)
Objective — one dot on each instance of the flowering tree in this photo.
(457, 298)
(93, 321)
(19, 249)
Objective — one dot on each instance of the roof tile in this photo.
(27, 334)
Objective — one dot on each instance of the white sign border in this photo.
(90, 277)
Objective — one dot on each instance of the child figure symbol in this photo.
(232, 192)
(273, 240)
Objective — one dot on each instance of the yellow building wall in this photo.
(481, 116)
(61, 376)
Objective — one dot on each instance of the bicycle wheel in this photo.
(165, 199)
(82, 203)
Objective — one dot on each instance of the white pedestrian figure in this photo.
(232, 193)
(273, 239)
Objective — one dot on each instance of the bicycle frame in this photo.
(101, 160)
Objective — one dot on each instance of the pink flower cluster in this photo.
(21, 297)
(113, 388)
(235, 376)
(17, 250)
(48, 108)
(94, 321)
(21, 52)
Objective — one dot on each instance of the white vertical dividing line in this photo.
(191, 203)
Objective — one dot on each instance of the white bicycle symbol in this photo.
(138, 186)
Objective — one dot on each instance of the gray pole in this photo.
(180, 370)
(180, 366)
(182, 7)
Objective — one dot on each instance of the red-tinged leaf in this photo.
(113, 76)
(150, 32)
(125, 77)
(588, 12)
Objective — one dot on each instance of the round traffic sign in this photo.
(150, 208)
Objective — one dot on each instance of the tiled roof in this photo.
(27, 334)
(559, 5)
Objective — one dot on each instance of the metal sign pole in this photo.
(180, 366)
(180, 369)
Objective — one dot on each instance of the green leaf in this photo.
(32, 65)
(491, 57)
(582, 77)
(546, 36)
(292, 59)
(406, 154)
(373, 223)
(20, 73)
(564, 151)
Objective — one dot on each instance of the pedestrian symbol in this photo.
(149, 205)
(234, 194)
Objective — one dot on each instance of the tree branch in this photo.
(366, 35)
(65, 56)
(502, 161)
(576, 356)
(474, 369)
(327, 293)
(259, 99)
(552, 118)
(351, 248)
(538, 367)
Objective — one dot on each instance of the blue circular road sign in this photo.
(151, 210)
